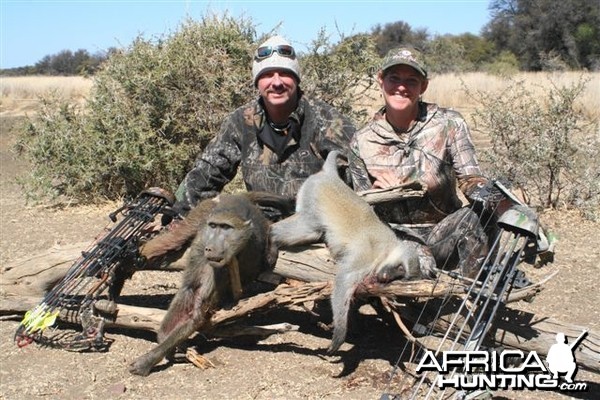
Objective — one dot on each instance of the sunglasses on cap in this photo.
(267, 51)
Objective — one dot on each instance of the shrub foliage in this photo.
(341, 73)
(540, 144)
(152, 108)
(156, 104)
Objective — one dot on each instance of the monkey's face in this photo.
(223, 239)
(401, 263)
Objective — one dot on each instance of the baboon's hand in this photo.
(141, 366)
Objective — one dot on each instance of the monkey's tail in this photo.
(330, 165)
(341, 298)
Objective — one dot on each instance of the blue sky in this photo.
(33, 29)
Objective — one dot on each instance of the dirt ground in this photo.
(284, 366)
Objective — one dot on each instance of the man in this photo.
(278, 139)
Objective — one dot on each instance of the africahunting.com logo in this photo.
(515, 369)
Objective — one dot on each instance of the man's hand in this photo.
(169, 219)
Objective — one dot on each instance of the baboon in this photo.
(231, 231)
(188, 228)
(365, 248)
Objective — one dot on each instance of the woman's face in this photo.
(277, 87)
(402, 86)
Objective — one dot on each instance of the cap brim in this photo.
(275, 68)
(415, 66)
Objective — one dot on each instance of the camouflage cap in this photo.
(405, 55)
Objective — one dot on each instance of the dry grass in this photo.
(19, 95)
(449, 90)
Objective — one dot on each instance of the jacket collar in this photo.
(424, 115)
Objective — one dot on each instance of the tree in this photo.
(65, 62)
(337, 72)
(477, 50)
(445, 54)
(545, 34)
(393, 34)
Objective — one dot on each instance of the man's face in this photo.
(277, 87)
(402, 86)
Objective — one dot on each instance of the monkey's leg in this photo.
(343, 291)
(180, 310)
(142, 365)
(294, 231)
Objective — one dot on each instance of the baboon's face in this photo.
(224, 238)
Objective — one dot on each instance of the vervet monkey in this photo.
(364, 247)
(231, 230)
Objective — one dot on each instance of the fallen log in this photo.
(24, 283)
(513, 328)
(36, 274)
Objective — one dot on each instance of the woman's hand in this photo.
(385, 179)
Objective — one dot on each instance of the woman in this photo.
(409, 140)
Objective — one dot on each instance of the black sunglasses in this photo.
(267, 51)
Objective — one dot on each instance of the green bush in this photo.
(54, 143)
(153, 107)
(506, 63)
(341, 73)
(542, 144)
(155, 104)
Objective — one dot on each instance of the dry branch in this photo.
(401, 192)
